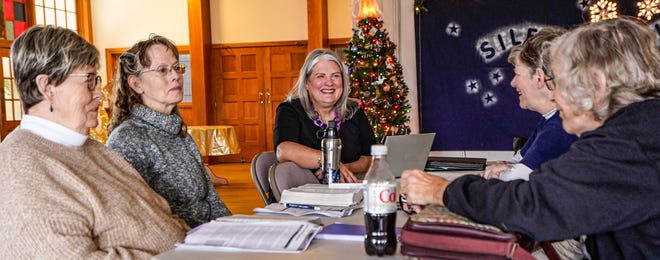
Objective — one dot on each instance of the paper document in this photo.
(328, 211)
(321, 195)
(252, 235)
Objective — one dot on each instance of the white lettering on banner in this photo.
(380, 198)
(498, 42)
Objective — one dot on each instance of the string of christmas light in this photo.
(648, 8)
(603, 10)
(376, 77)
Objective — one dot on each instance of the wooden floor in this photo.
(240, 195)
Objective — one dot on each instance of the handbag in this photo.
(436, 232)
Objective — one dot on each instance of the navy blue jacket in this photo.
(606, 186)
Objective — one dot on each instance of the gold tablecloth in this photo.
(214, 140)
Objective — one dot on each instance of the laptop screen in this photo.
(408, 151)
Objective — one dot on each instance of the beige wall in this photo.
(120, 23)
(239, 21)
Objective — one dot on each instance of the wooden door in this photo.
(238, 82)
(11, 109)
(281, 74)
(250, 82)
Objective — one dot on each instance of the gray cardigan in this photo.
(169, 163)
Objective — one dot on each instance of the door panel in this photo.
(250, 83)
(281, 74)
(237, 103)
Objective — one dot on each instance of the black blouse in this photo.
(293, 124)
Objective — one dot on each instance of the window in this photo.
(15, 21)
(12, 106)
(56, 12)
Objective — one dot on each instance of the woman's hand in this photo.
(493, 171)
(346, 175)
(421, 188)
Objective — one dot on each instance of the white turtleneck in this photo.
(52, 131)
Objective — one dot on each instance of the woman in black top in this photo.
(321, 95)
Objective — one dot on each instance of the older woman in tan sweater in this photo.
(65, 196)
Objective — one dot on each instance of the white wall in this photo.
(239, 21)
(121, 23)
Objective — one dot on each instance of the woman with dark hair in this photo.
(148, 131)
(64, 195)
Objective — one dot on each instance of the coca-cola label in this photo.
(380, 198)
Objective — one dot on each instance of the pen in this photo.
(301, 206)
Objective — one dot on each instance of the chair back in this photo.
(259, 171)
(287, 175)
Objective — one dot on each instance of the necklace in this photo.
(319, 122)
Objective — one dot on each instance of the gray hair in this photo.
(622, 49)
(532, 52)
(344, 110)
(50, 50)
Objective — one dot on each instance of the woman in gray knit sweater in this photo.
(148, 131)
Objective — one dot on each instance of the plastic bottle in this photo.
(380, 205)
(331, 154)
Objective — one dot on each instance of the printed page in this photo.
(262, 236)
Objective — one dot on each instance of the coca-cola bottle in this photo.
(330, 154)
(379, 205)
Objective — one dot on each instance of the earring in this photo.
(51, 107)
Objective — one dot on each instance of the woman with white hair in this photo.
(607, 80)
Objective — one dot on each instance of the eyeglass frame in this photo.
(174, 67)
(91, 85)
(549, 79)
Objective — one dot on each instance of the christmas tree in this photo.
(375, 75)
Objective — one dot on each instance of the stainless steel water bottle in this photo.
(331, 154)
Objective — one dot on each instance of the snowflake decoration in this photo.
(603, 10)
(648, 8)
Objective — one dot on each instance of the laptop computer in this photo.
(408, 151)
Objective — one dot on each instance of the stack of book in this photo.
(322, 195)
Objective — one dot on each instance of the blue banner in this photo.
(464, 78)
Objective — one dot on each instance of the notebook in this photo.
(408, 151)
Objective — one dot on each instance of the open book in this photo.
(321, 195)
(255, 235)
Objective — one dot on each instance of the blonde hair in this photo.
(623, 49)
(345, 107)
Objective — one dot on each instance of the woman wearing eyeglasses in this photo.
(63, 195)
(532, 81)
(148, 131)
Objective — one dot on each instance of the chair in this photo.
(259, 171)
(287, 175)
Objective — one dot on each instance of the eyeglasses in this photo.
(91, 79)
(550, 83)
(164, 70)
(403, 204)
(549, 79)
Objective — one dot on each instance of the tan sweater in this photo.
(60, 202)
